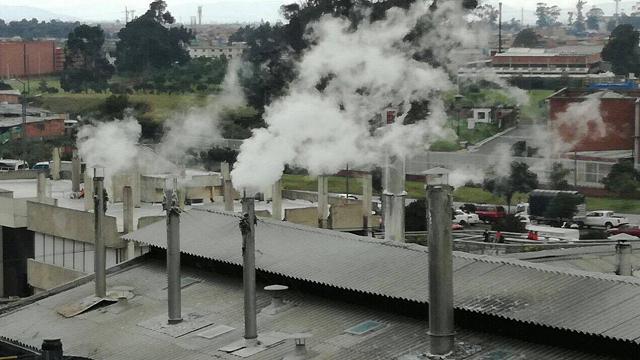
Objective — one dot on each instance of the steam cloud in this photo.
(366, 71)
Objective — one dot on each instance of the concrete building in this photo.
(233, 51)
(30, 58)
(580, 61)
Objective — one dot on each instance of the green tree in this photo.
(527, 38)
(85, 66)
(148, 43)
(558, 177)
(547, 15)
(594, 17)
(520, 179)
(623, 178)
(622, 50)
(578, 25)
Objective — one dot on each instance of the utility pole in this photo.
(171, 206)
(100, 255)
(247, 228)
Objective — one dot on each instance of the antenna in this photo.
(499, 28)
(133, 14)
(126, 15)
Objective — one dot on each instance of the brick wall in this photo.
(47, 128)
(618, 115)
(18, 59)
(10, 99)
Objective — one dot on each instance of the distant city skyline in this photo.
(216, 11)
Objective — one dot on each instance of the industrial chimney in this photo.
(393, 194)
(51, 349)
(100, 254)
(623, 258)
(172, 208)
(247, 228)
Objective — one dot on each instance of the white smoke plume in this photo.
(199, 128)
(112, 145)
(367, 70)
(582, 120)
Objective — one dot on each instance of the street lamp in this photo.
(457, 99)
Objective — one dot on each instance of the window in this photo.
(482, 115)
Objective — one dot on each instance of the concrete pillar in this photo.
(636, 138)
(173, 257)
(88, 190)
(227, 185)
(134, 182)
(76, 170)
(55, 167)
(441, 326)
(624, 266)
(367, 197)
(323, 201)
(100, 253)
(276, 200)
(247, 228)
(42, 187)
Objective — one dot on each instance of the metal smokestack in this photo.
(173, 250)
(52, 349)
(393, 194)
(247, 228)
(76, 172)
(276, 200)
(441, 327)
(367, 194)
(100, 254)
(636, 137)
(323, 201)
(227, 186)
(623, 259)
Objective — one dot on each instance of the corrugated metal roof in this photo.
(506, 288)
(112, 333)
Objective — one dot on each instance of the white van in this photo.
(13, 165)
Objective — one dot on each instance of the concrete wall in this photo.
(199, 187)
(148, 220)
(308, 196)
(304, 216)
(45, 276)
(346, 216)
(18, 174)
(70, 224)
(13, 212)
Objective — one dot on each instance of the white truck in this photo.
(602, 218)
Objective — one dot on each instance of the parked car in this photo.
(629, 229)
(490, 213)
(43, 165)
(463, 218)
(602, 218)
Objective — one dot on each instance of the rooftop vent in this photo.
(278, 304)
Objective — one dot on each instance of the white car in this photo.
(603, 218)
(463, 218)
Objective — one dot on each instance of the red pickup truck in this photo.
(490, 213)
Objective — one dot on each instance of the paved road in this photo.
(522, 132)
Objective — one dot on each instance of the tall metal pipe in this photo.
(323, 201)
(367, 194)
(247, 228)
(173, 254)
(276, 200)
(100, 254)
(441, 327)
(227, 186)
(76, 172)
(394, 198)
(636, 137)
(623, 259)
(499, 28)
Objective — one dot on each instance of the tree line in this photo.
(34, 29)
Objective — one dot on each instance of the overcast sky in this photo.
(243, 10)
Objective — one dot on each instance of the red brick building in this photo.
(618, 110)
(10, 96)
(577, 61)
(29, 58)
(47, 128)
